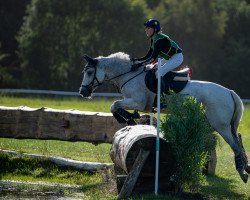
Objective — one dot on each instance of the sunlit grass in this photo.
(226, 184)
(34, 170)
(83, 151)
(58, 102)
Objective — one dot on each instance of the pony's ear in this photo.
(88, 58)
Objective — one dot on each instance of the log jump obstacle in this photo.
(47, 123)
(133, 151)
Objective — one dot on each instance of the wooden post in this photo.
(131, 179)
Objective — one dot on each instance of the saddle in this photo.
(171, 81)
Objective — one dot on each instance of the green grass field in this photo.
(58, 102)
(226, 184)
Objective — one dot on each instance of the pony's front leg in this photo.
(118, 109)
(128, 104)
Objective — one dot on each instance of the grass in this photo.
(83, 151)
(226, 184)
(58, 102)
(30, 169)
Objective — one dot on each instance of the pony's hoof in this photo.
(244, 177)
(247, 169)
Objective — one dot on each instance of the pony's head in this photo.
(100, 69)
(92, 77)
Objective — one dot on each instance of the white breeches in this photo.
(169, 65)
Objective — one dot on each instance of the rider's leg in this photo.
(169, 65)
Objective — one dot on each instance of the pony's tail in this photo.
(238, 111)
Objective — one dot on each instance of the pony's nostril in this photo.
(81, 92)
(84, 92)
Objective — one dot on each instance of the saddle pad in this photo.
(167, 83)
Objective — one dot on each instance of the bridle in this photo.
(91, 84)
(98, 83)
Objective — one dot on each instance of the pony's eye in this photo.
(89, 73)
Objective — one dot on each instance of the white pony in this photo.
(224, 107)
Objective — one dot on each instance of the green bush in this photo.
(191, 138)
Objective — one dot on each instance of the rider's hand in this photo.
(135, 66)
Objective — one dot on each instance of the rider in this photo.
(161, 46)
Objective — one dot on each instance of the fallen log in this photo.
(64, 162)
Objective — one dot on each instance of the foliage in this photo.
(11, 13)
(5, 76)
(55, 35)
(236, 46)
(214, 36)
(188, 22)
(186, 128)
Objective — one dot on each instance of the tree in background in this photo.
(5, 76)
(235, 63)
(11, 14)
(198, 27)
(56, 34)
(214, 35)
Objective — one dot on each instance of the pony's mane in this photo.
(120, 55)
(120, 59)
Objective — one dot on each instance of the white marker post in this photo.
(158, 128)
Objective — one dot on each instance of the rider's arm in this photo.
(162, 45)
(149, 53)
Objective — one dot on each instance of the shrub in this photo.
(191, 138)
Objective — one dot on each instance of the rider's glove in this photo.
(135, 66)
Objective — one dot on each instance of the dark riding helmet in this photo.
(154, 23)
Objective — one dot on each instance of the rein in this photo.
(124, 74)
(131, 78)
(118, 76)
(99, 83)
